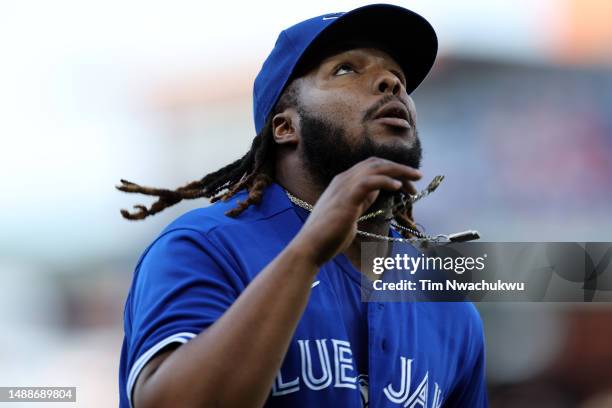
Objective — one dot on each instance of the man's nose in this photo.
(387, 82)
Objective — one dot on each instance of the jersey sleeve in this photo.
(471, 389)
(182, 284)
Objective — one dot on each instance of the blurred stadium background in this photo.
(517, 114)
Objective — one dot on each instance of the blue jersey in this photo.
(344, 352)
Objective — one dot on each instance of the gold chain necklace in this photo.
(421, 238)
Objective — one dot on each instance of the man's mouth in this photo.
(393, 114)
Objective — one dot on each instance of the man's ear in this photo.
(285, 127)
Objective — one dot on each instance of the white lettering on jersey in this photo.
(281, 388)
(340, 376)
(437, 397)
(307, 372)
(343, 366)
(418, 398)
(400, 396)
(343, 361)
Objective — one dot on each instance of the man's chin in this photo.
(406, 151)
(408, 155)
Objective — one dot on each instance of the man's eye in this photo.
(343, 69)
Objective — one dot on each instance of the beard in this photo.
(326, 151)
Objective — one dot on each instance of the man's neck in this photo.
(305, 188)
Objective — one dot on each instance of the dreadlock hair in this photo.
(254, 172)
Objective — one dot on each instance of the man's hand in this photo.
(332, 225)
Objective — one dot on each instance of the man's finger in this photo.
(378, 182)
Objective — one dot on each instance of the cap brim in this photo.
(405, 34)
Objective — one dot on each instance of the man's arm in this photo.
(233, 363)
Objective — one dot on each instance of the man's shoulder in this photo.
(205, 219)
(260, 229)
(214, 217)
(470, 315)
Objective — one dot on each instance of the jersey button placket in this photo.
(383, 341)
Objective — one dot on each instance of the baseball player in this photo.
(255, 300)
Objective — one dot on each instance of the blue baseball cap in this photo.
(407, 36)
